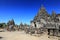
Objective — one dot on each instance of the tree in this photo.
(2, 25)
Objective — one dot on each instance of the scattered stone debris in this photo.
(1, 37)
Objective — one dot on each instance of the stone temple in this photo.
(45, 21)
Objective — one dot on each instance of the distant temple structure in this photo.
(49, 22)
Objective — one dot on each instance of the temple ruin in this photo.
(44, 21)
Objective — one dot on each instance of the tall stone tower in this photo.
(40, 18)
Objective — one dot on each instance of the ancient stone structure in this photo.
(23, 26)
(11, 25)
(44, 21)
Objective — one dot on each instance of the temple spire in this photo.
(53, 14)
(42, 7)
(42, 11)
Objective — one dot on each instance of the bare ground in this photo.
(20, 35)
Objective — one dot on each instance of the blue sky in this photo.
(25, 10)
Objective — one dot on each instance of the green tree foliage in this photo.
(2, 25)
